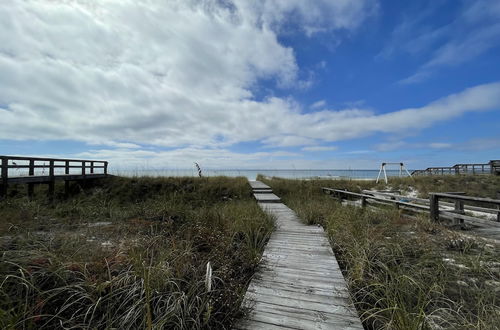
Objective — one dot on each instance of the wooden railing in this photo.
(31, 170)
(493, 167)
(340, 194)
(459, 200)
(432, 207)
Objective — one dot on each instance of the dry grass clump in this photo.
(402, 273)
(130, 253)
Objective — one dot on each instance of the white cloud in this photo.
(288, 141)
(440, 145)
(318, 104)
(390, 146)
(178, 158)
(311, 16)
(166, 73)
(320, 148)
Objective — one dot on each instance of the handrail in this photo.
(49, 159)
(364, 197)
(468, 198)
(68, 164)
(433, 207)
(426, 201)
(459, 202)
(8, 162)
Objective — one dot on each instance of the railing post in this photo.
(434, 207)
(106, 168)
(83, 167)
(52, 179)
(5, 176)
(31, 186)
(66, 182)
(459, 209)
(91, 167)
(498, 207)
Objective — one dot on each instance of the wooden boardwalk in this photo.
(300, 285)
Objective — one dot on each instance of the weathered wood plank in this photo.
(267, 198)
(258, 184)
(46, 179)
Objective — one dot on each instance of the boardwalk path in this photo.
(300, 285)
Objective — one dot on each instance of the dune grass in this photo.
(130, 253)
(403, 273)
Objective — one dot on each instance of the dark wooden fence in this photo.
(460, 200)
(493, 167)
(432, 205)
(32, 170)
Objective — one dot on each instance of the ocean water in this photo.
(252, 174)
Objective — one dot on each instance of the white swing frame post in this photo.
(401, 168)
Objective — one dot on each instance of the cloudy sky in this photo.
(251, 84)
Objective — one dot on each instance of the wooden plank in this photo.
(293, 301)
(46, 178)
(426, 201)
(262, 191)
(472, 220)
(467, 198)
(258, 184)
(267, 198)
(294, 294)
(299, 285)
(301, 318)
(48, 159)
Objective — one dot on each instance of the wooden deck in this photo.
(35, 170)
(300, 285)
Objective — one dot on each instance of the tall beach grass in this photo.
(130, 253)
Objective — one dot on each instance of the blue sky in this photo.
(261, 84)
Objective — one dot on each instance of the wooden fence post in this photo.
(363, 201)
(434, 207)
(31, 186)
(106, 168)
(83, 167)
(66, 182)
(52, 179)
(459, 209)
(91, 167)
(498, 207)
(5, 175)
